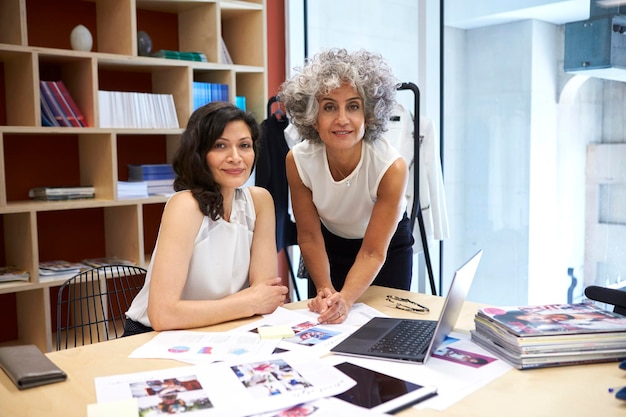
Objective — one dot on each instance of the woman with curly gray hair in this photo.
(347, 182)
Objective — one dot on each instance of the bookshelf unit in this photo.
(33, 155)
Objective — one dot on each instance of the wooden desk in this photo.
(568, 391)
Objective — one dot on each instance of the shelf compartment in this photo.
(78, 75)
(12, 27)
(90, 233)
(18, 103)
(253, 85)
(217, 77)
(139, 150)
(62, 160)
(60, 17)
(174, 80)
(19, 231)
(116, 28)
(123, 227)
(82, 231)
(249, 24)
(192, 24)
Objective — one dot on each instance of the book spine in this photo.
(65, 107)
(47, 117)
(47, 95)
(78, 115)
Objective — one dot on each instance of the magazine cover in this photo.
(552, 319)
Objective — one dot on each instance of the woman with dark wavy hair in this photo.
(215, 258)
(347, 182)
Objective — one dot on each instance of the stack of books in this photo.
(185, 56)
(204, 93)
(132, 189)
(122, 109)
(159, 178)
(58, 107)
(551, 335)
(62, 193)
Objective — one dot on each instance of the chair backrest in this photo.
(612, 296)
(91, 304)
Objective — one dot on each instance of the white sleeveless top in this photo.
(220, 262)
(345, 206)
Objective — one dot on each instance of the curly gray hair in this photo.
(367, 72)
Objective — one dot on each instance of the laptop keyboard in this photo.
(409, 337)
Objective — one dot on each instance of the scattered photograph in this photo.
(169, 396)
(268, 378)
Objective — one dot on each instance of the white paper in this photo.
(310, 336)
(456, 377)
(231, 388)
(204, 347)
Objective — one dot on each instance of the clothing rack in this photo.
(416, 210)
(270, 102)
(270, 113)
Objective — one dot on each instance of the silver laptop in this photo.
(412, 340)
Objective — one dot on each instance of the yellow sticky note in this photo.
(123, 408)
(275, 332)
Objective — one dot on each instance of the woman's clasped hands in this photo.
(331, 306)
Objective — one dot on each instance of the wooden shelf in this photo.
(35, 155)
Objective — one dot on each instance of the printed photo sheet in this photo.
(231, 388)
(205, 347)
(309, 335)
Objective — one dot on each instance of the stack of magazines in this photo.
(551, 335)
(62, 193)
(13, 273)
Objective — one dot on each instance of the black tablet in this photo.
(380, 392)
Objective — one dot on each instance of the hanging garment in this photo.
(271, 174)
(432, 193)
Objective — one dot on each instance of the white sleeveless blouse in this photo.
(220, 263)
(345, 206)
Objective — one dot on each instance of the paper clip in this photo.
(397, 300)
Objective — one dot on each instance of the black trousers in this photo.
(132, 327)
(396, 272)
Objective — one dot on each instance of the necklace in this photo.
(343, 176)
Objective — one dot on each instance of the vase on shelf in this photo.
(144, 43)
(81, 39)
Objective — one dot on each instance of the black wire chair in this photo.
(91, 304)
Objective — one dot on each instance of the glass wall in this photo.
(533, 161)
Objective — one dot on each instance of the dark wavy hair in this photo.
(205, 126)
(366, 71)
